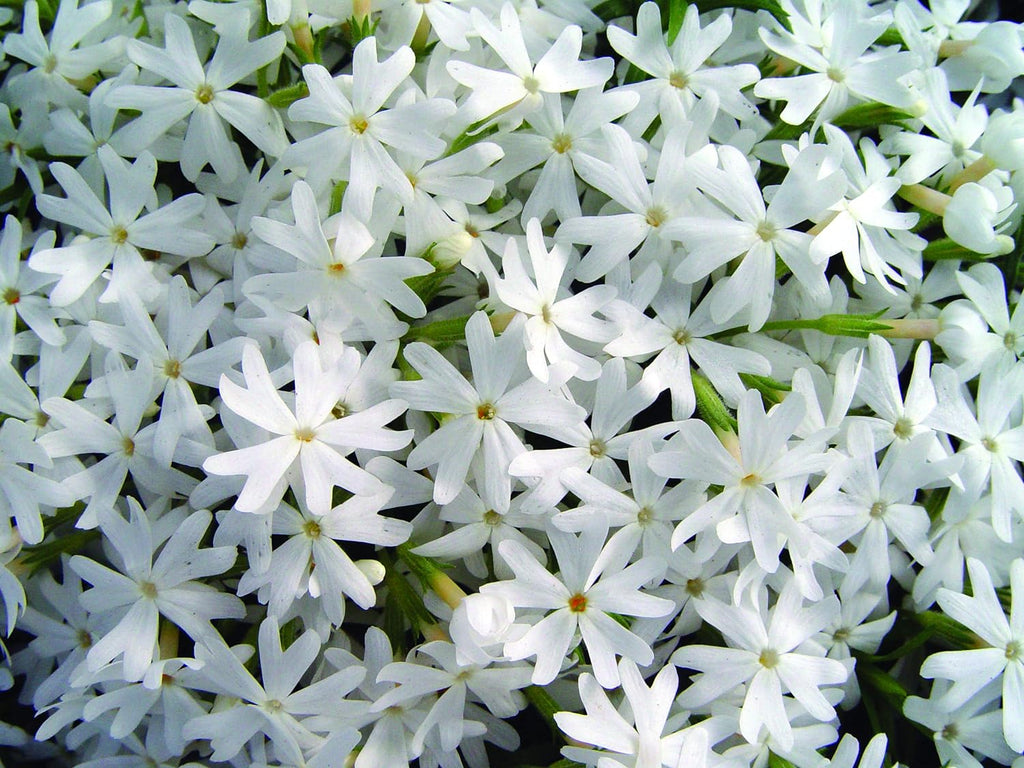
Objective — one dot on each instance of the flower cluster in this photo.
(371, 376)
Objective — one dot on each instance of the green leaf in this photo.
(429, 285)
(891, 36)
(545, 705)
(676, 13)
(858, 326)
(772, 6)
(422, 567)
(881, 682)
(616, 9)
(48, 552)
(447, 331)
(771, 390)
(776, 761)
(337, 195)
(710, 406)
(951, 631)
(285, 97)
(408, 604)
(360, 29)
(870, 115)
(478, 131)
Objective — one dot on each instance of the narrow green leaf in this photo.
(676, 13)
(881, 682)
(771, 390)
(545, 705)
(447, 331)
(772, 6)
(337, 196)
(710, 406)
(478, 131)
(870, 115)
(285, 97)
(776, 761)
(616, 9)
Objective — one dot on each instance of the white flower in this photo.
(841, 68)
(360, 127)
(642, 744)
(758, 232)
(340, 279)
(972, 670)
(520, 89)
(61, 64)
(495, 686)
(483, 410)
(773, 659)
(593, 582)
(683, 71)
(745, 509)
(548, 307)
(308, 438)
(169, 585)
(202, 95)
(115, 235)
(278, 706)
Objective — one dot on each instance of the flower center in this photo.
(678, 80)
(339, 411)
(273, 706)
(83, 638)
(148, 589)
(578, 603)
(1010, 340)
(990, 445)
(204, 94)
(312, 529)
(597, 448)
(682, 337)
(695, 587)
(878, 509)
(765, 231)
(485, 411)
(768, 658)
(358, 124)
(12, 296)
(492, 518)
(128, 445)
(49, 64)
(545, 313)
(531, 84)
(951, 732)
(42, 419)
(644, 515)
(239, 241)
(304, 435)
(749, 481)
(1013, 650)
(172, 369)
(903, 428)
(835, 74)
(335, 268)
(841, 635)
(656, 216)
(562, 143)
(118, 235)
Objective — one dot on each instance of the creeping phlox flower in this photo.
(381, 379)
